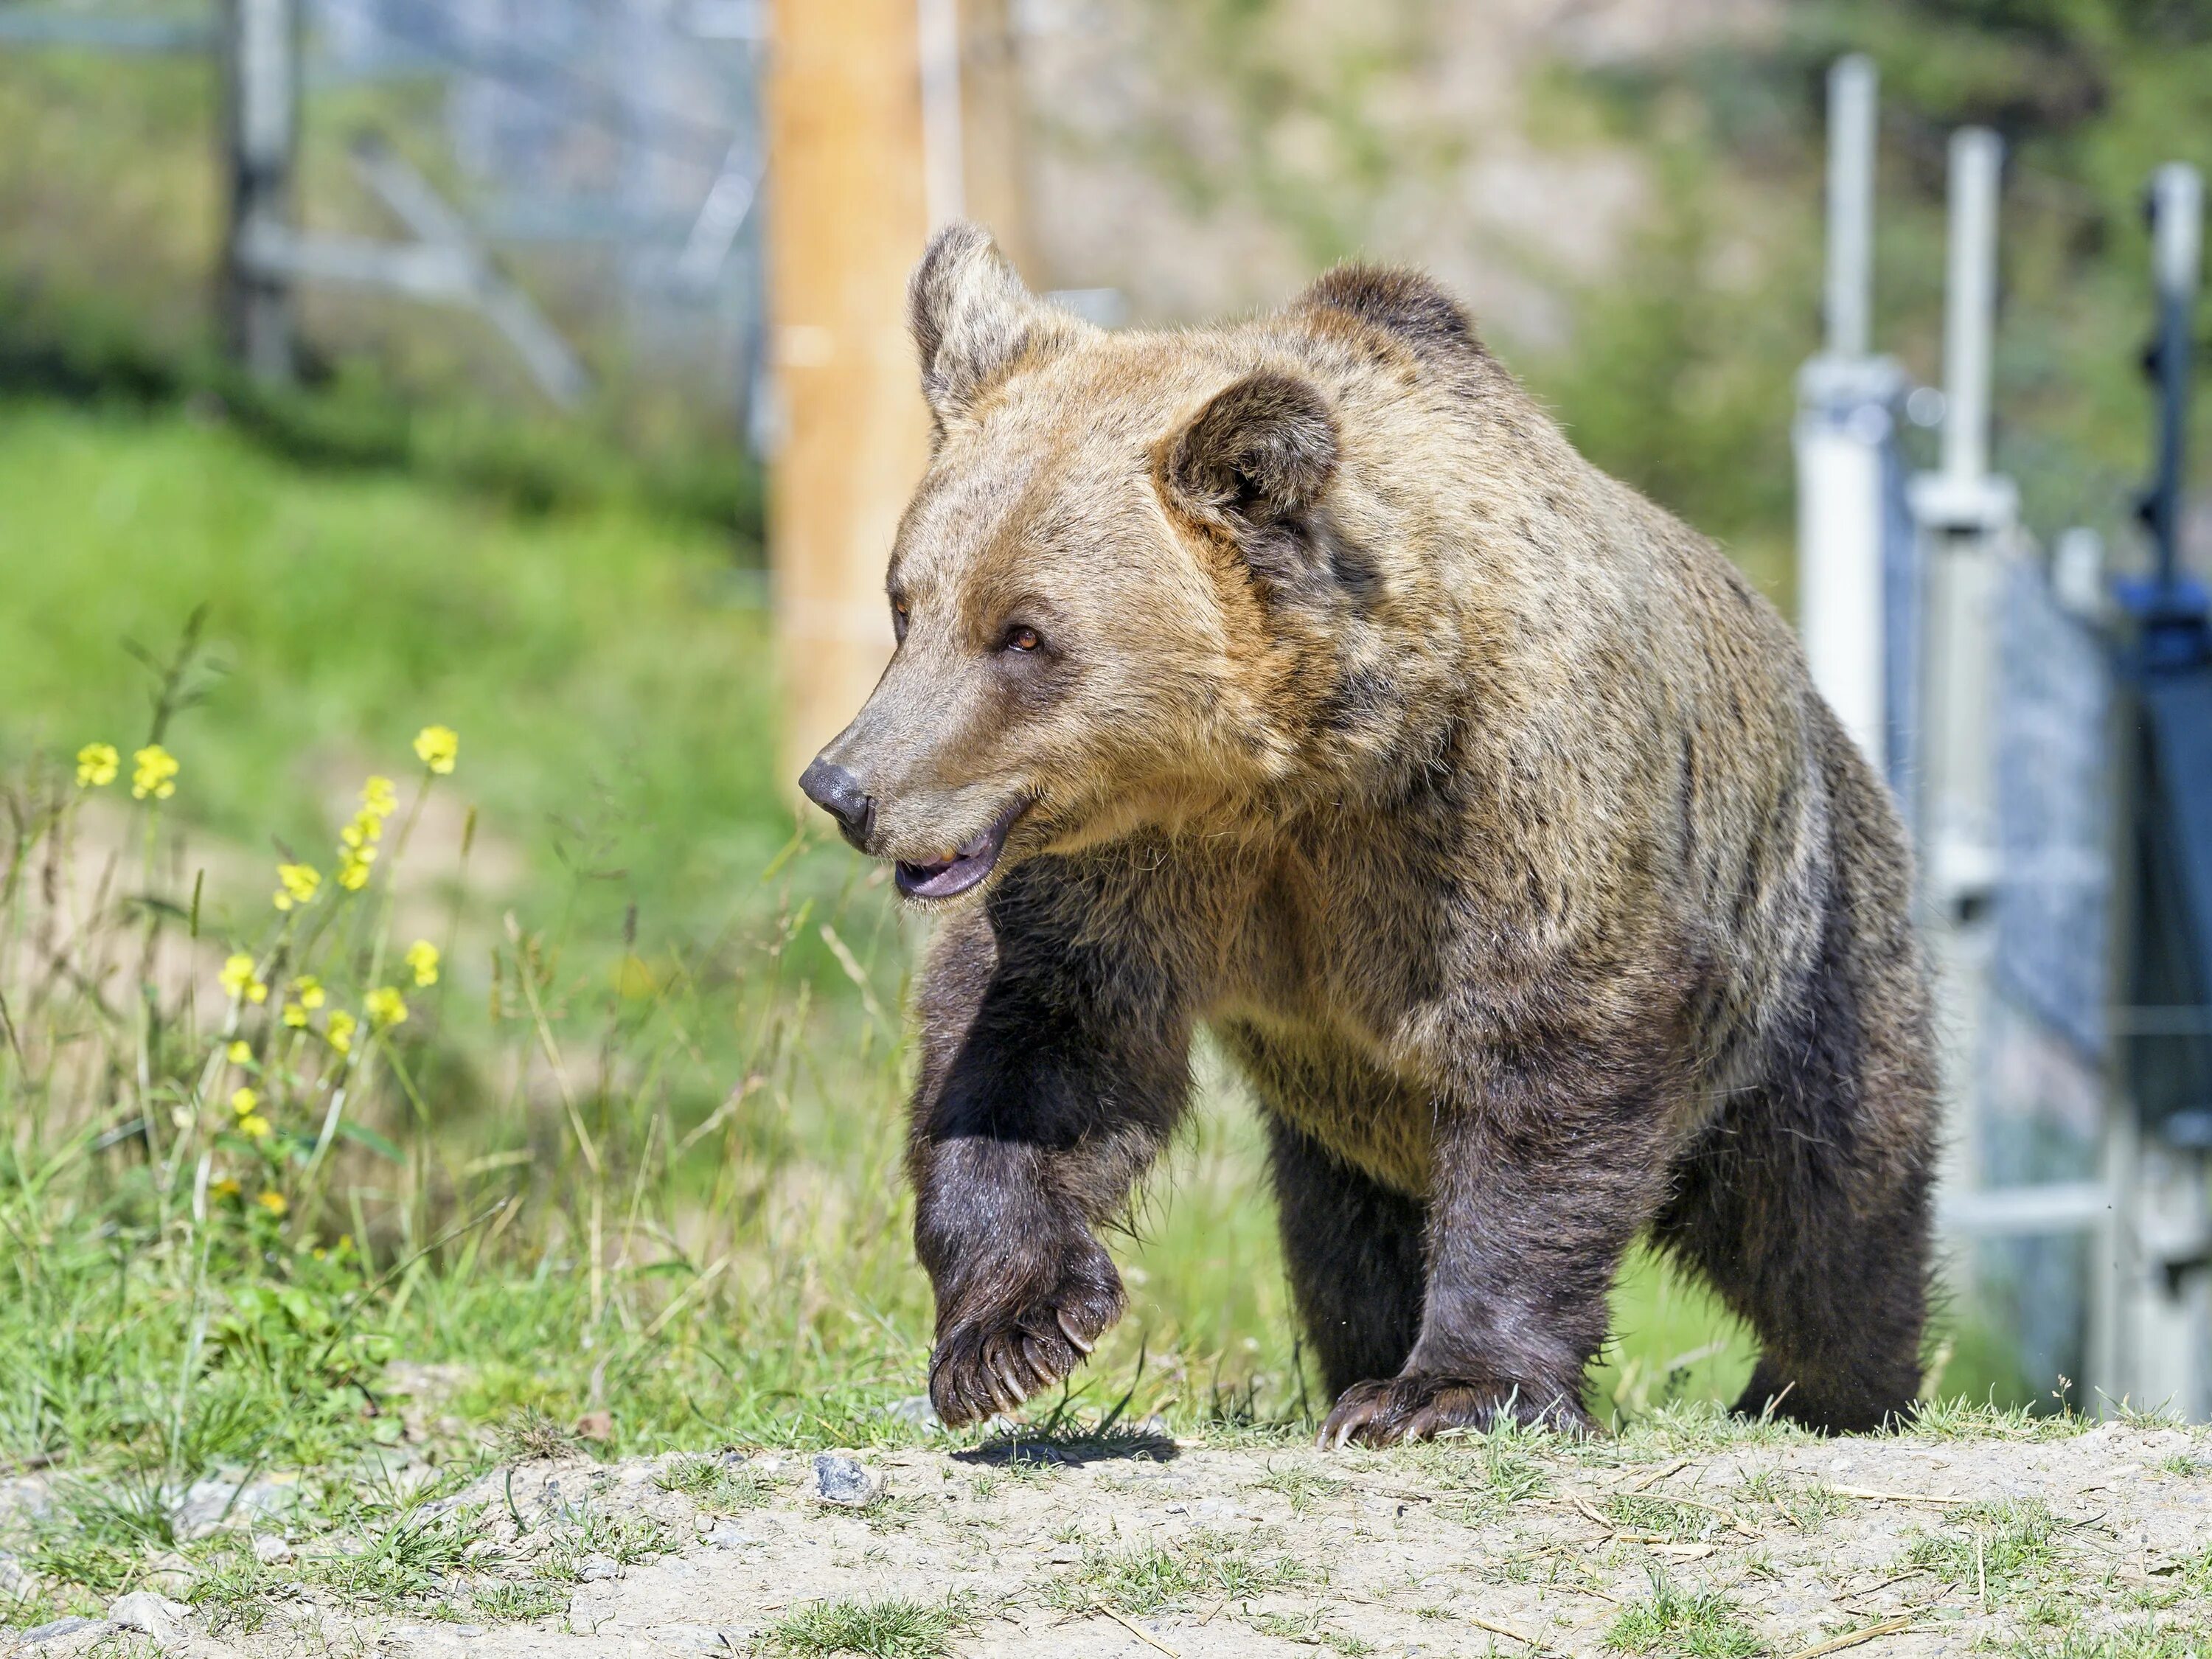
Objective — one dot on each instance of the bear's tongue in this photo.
(970, 862)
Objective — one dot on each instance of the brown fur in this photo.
(1479, 807)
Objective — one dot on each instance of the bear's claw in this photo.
(1419, 1406)
(992, 1362)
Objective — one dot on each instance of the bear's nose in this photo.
(838, 793)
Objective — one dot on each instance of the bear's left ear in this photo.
(973, 320)
(1257, 456)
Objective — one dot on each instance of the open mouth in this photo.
(962, 867)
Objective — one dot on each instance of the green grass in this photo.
(1697, 1624)
(607, 668)
(2006, 1548)
(1156, 1577)
(894, 1628)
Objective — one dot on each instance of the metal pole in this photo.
(1970, 302)
(1966, 519)
(261, 64)
(1845, 402)
(2177, 205)
(1852, 90)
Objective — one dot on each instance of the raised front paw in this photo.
(991, 1359)
(1419, 1407)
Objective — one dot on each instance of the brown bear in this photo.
(1298, 679)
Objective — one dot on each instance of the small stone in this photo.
(17, 1581)
(597, 1569)
(58, 1628)
(726, 1535)
(916, 1411)
(842, 1481)
(269, 1550)
(155, 1614)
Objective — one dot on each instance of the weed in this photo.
(1661, 1517)
(1153, 1577)
(1695, 1624)
(894, 1628)
(409, 1559)
(519, 1601)
(531, 1433)
(1311, 1631)
(2004, 1546)
(1306, 1488)
(716, 1485)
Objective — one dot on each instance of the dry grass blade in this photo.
(1873, 1495)
(1137, 1630)
(1852, 1638)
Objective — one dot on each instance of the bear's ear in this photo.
(1256, 457)
(973, 320)
(1415, 308)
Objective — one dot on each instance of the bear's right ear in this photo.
(973, 320)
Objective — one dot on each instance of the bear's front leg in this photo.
(1535, 1196)
(1049, 1081)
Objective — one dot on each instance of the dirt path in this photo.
(1771, 1544)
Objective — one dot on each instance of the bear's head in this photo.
(1132, 591)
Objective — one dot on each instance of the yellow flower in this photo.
(239, 980)
(244, 1101)
(253, 1127)
(385, 1007)
(353, 867)
(438, 746)
(225, 1188)
(309, 990)
(272, 1201)
(241, 1051)
(300, 882)
(153, 771)
(96, 765)
(295, 1015)
(340, 1034)
(379, 800)
(422, 957)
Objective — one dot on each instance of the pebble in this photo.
(916, 1411)
(59, 1628)
(156, 1615)
(842, 1481)
(16, 1582)
(269, 1550)
(597, 1569)
(726, 1535)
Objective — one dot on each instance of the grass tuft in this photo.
(894, 1628)
(1695, 1624)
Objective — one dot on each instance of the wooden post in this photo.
(847, 220)
(261, 131)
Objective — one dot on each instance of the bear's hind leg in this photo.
(1806, 1202)
(1354, 1248)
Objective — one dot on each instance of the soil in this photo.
(1138, 1545)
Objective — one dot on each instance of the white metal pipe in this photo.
(1970, 302)
(1839, 572)
(1852, 86)
(2177, 228)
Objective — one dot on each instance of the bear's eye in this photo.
(1021, 637)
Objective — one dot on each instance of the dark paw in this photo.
(1421, 1407)
(991, 1361)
